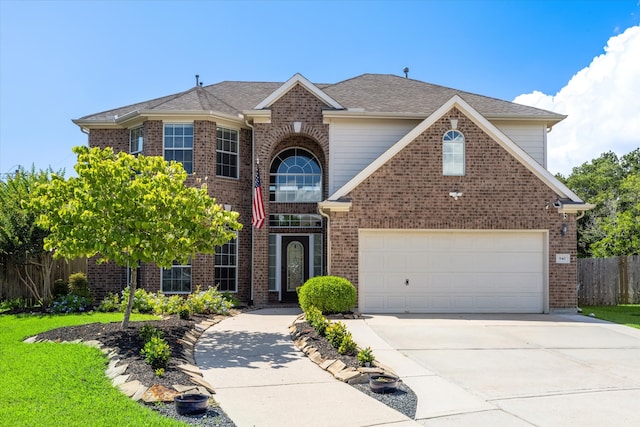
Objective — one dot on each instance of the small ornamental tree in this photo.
(131, 210)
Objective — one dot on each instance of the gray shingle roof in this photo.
(380, 93)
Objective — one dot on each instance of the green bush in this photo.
(330, 294)
(348, 345)
(142, 301)
(335, 333)
(163, 304)
(156, 352)
(60, 288)
(147, 332)
(79, 285)
(184, 312)
(365, 356)
(71, 303)
(110, 303)
(317, 320)
(208, 302)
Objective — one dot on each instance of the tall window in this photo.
(226, 270)
(177, 279)
(295, 177)
(178, 144)
(227, 153)
(135, 140)
(453, 153)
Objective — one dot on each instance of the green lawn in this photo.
(627, 314)
(49, 384)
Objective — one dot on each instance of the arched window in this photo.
(295, 176)
(453, 153)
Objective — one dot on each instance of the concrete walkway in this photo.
(261, 379)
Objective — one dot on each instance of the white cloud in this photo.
(602, 102)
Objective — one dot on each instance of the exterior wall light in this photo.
(564, 229)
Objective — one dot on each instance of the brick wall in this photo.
(499, 193)
(272, 138)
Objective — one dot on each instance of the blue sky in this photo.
(61, 60)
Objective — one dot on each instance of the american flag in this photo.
(257, 217)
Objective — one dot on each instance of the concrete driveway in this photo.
(511, 370)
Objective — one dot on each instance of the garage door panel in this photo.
(452, 271)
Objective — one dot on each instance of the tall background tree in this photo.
(613, 184)
(21, 239)
(130, 210)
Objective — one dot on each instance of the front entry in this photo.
(294, 265)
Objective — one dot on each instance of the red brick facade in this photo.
(408, 192)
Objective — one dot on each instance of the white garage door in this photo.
(451, 272)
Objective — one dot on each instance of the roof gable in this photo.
(457, 102)
(298, 79)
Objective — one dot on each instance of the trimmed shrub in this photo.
(79, 285)
(330, 294)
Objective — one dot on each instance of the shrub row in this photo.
(209, 301)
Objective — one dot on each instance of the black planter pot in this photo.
(381, 383)
(191, 404)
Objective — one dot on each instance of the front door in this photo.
(295, 265)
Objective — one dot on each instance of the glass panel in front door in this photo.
(295, 265)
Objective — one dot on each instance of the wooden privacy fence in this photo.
(11, 287)
(609, 281)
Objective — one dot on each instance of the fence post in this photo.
(624, 279)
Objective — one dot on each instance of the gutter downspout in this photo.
(253, 177)
(322, 213)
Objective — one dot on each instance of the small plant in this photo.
(335, 333)
(71, 303)
(156, 352)
(159, 372)
(184, 312)
(317, 320)
(347, 345)
(79, 285)
(110, 303)
(231, 298)
(365, 356)
(147, 332)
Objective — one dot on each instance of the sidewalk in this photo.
(261, 379)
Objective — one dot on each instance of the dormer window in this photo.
(136, 140)
(453, 153)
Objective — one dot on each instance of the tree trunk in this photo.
(132, 291)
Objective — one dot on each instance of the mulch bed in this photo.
(128, 344)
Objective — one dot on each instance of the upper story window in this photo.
(295, 176)
(136, 140)
(453, 153)
(178, 144)
(227, 152)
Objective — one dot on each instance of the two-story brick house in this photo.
(428, 199)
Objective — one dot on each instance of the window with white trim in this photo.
(453, 153)
(226, 266)
(136, 140)
(227, 152)
(295, 176)
(177, 279)
(178, 144)
(295, 220)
